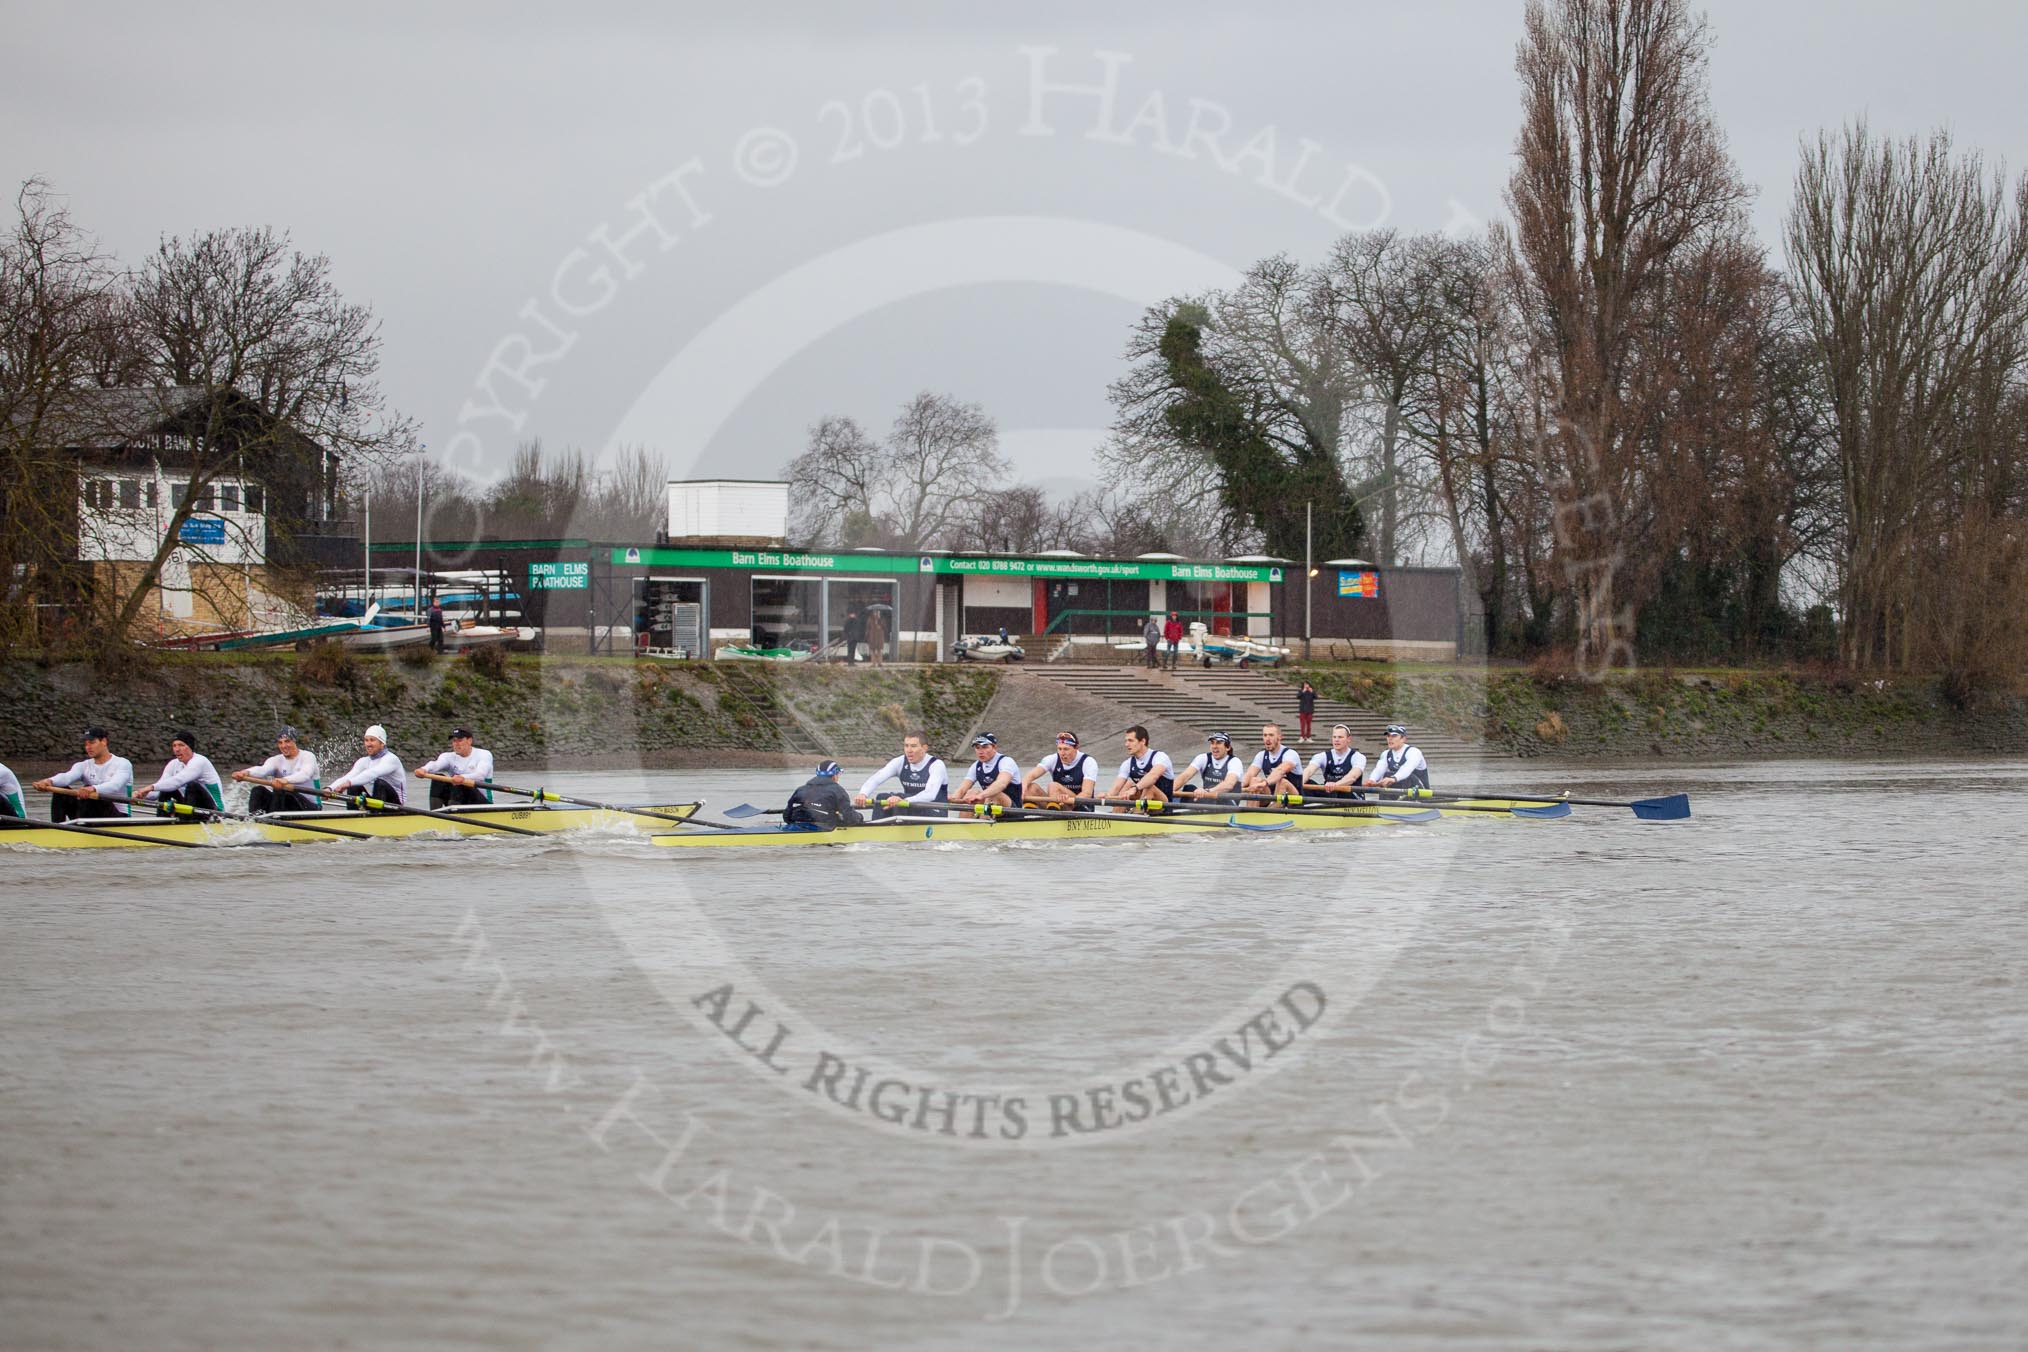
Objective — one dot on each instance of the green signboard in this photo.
(559, 576)
(793, 560)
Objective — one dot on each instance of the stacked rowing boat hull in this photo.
(1087, 826)
(303, 828)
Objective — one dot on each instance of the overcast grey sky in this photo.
(853, 203)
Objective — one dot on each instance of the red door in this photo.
(1039, 607)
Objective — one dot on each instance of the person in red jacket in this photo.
(1172, 634)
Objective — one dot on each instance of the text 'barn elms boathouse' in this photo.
(725, 574)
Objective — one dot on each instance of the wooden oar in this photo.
(547, 796)
(368, 804)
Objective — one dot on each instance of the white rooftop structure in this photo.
(739, 508)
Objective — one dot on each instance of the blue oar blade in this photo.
(1674, 808)
(1428, 814)
(746, 810)
(1545, 813)
(1259, 826)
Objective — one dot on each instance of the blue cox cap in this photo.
(1397, 729)
(830, 769)
(985, 739)
(1219, 737)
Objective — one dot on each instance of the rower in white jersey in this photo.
(378, 773)
(1072, 775)
(1338, 768)
(280, 780)
(100, 771)
(994, 778)
(1401, 766)
(1215, 772)
(10, 795)
(187, 778)
(1276, 768)
(459, 776)
(924, 782)
(1145, 773)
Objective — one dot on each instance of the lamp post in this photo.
(1309, 578)
(421, 453)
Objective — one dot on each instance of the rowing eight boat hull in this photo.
(1076, 826)
(144, 832)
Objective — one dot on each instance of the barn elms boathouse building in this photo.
(725, 576)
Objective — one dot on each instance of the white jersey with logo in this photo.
(1322, 772)
(179, 774)
(1401, 766)
(1210, 777)
(1286, 756)
(983, 773)
(1157, 763)
(300, 771)
(385, 766)
(1053, 766)
(10, 789)
(477, 766)
(935, 790)
(115, 776)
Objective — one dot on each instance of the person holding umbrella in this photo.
(876, 633)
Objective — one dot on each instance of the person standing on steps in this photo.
(1306, 709)
(436, 625)
(1151, 634)
(1172, 634)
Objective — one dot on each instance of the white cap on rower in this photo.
(378, 734)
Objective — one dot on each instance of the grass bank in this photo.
(529, 710)
(1691, 714)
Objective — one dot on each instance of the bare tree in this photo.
(1910, 269)
(1621, 168)
(58, 323)
(279, 368)
(1390, 316)
(917, 490)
